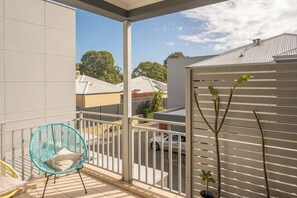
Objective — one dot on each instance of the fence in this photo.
(273, 94)
(137, 108)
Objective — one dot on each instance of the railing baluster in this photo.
(139, 154)
(31, 164)
(146, 156)
(23, 155)
(83, 130)
(89, 140)
(98, 143)
(162, 160)
(93, 141)
(112, 147)
(107, 125)
(170, 161)
(103, 142)
(119, 147)
(13, 149)
(179, 163)
(154, 158)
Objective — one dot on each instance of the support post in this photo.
(127, 163)
(188, 104)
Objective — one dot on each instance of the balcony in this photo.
(158, 171)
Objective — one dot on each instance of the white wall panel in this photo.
(60, 94)
(22, 36)
(59, 17)
(26, 67)
(60, 42)
(24, 96)
(1, 65)
(31, 11)
(65, 66)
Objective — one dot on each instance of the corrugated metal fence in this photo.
(273, 94)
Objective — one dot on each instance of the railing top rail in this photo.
(102, 114)
(160, 130)
(34, 126)
(39, 117)
(160, 121)
(100, 121)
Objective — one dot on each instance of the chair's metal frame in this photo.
(49, 176)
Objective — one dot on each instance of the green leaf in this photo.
(211, 180)
(213, 91)
(243, 78)
(203, 172)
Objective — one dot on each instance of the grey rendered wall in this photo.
(176, 79)
(37, 59)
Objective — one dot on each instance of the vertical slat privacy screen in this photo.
(273, 94)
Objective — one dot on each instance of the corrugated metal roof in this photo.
(289, 55)
(89, 85)
(144, 84)
(252, 53)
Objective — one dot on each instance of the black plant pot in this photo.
(210, 194)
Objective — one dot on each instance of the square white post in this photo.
(127, 166)
(189, 102)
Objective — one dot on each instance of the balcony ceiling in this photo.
(135, 10)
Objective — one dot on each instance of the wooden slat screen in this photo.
(273, 94)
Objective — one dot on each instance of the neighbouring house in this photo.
(91, 92)
(278, 49)
(37, 62)
(145, 87)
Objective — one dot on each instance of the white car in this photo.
(166, 143)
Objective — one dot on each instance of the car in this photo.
(166, 143)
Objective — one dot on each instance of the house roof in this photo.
(288, 55)
(265, 52)
(88, 85)
(135, 10)
(144, 84)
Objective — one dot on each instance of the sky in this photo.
(201, 31)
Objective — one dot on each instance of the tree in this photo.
(151, 70)
(173, 55)
(155, 105)
(100, 65)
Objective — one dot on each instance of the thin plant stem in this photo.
(263, 153)
(227, 108)
(202, 115)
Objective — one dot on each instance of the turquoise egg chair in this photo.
(49, 139)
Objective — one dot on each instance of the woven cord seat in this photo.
(48, 140)
(8, 171)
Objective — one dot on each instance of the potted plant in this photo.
(218, 124)
(206, 178)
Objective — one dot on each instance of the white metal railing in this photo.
(103, 140)
(14, 148)
(158, 154)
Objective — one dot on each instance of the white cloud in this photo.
(180, 28)
(236, 22)
(170, 43)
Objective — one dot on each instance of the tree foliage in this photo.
(173, 55)
(155, 105)
(100, 65)
(152, 70)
